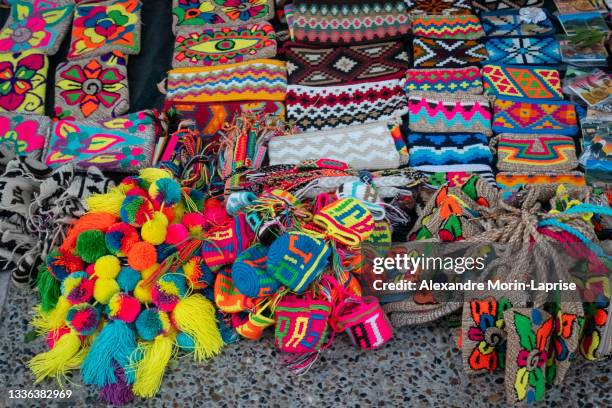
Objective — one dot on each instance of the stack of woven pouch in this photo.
(371, 146)
(319, 108)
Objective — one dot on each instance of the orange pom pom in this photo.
(141, 256)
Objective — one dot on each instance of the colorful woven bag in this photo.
(557, 118)
(224, 243)
(452, 80)
(535, 153)
(493, 5)
(512, 182)
(255, 80)
(227, 298)
(444, 7)
(455, 27)
(220, 13)
(122, 144)
(524, 50)
(440, 149)
(197, 47)
(444, 113)
(249, 273)
(330, 107)
(23, 82)
(312, 65)
(364, 321)
(347, 221)
(510, 23)
(301, 324)
(522, 82)
(23, 134)
(296, 259)
(349, 22)
(439, 53)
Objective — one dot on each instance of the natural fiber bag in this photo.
(23, 82)
(529, 334)
(516, 152)
(93, 88)
(448, 149)
(368, 146)
(444, 7)
(444, 113)
(255, 80)
(23, 134)
(349, 22)
(38, 25)
(90, 36)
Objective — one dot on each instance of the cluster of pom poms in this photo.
(118, 296)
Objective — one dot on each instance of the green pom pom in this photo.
(91, 245)
(48, 289)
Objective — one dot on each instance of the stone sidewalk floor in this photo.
(420, 367)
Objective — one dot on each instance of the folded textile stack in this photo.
(535, 127)
(448, 116)
(222, 63)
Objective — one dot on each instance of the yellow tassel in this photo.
(151, 368)
(44, 322)
(64, 356)
(195, 316)
(152, 174)
(108, 203)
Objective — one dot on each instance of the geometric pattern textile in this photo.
(557, 118)
(433, 53)
(522, 82)
(529, 50)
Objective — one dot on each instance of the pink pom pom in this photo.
(215, 213)
(177, 235)
(90, 269)
(194, 222)
(137, 191)
(124, 307)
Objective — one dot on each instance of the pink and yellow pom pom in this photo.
(83, 319)
(78, 288)
(123, 307)
(168, 291)
(194, 222)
